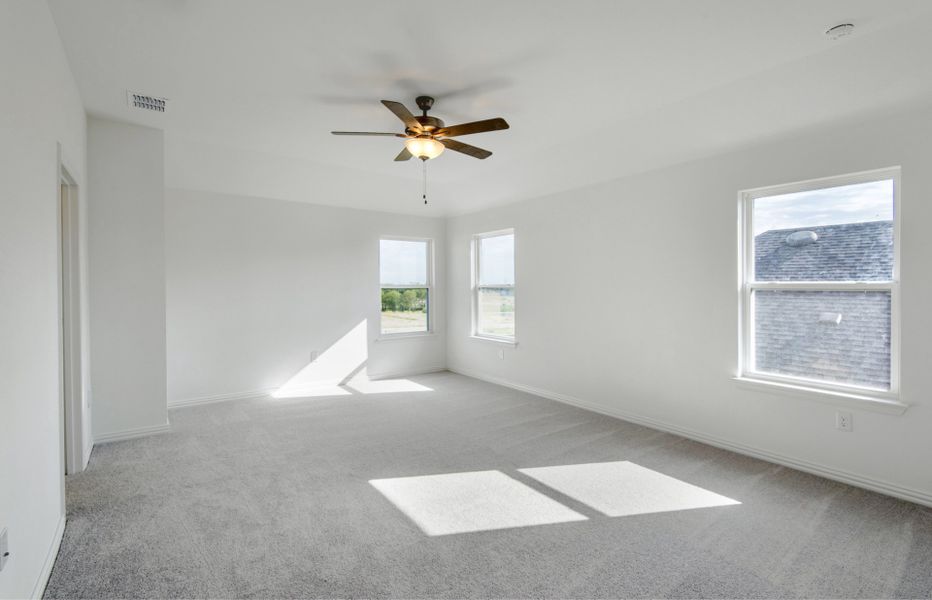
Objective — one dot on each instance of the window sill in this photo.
(846, 399)
(482, 338)
(394, 337)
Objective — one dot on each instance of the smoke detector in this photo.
(146, 102)
(839, 31)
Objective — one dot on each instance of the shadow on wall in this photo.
(341, 371)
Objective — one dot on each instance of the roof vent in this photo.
(801, 238)
(839, 31)
(146, 102)
(830, 318)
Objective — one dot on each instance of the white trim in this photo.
(431, 295)
(747, 286)
(862, 401)
(39, 589)
(494, 340)
(87, 451)
(405, 373)
(475, 286)
(807, 185)
(128, 434)
(70, 354)
(868, 483)
(199, 400)
(815, 286)
(393, 337)
(251, 395)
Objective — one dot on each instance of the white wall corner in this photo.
(39, 589)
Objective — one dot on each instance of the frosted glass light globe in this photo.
(424, 147)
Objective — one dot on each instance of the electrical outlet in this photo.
(4, 549)
(844, 421)
(314, 355)
(501, 353)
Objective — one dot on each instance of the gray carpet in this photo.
(271, 498)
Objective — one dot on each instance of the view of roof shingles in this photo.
(798, 332)
(849, 252)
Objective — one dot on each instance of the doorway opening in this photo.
(74, 407)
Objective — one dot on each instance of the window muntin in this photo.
(405, 277)
(819, 290)
(494, 285)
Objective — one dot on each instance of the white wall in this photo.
(39, 108)
(650, 263)
(126, 249)
(255, 285)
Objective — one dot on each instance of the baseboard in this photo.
(50, 557)
(219, 398)
(263, 393)
(402, 373)
(87, 454)
(129, 434)
(874, 485)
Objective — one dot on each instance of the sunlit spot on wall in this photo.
(474, 501)
(332, 368)
(623, 488)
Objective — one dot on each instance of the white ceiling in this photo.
(593, 90)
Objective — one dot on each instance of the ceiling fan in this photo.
(427, 137)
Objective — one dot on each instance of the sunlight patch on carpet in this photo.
(623, 488)
(473, 501)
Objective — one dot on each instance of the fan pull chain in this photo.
(424, 194)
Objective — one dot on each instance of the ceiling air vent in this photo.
(145, 102)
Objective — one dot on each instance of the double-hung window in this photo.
(405, 267)
(819, 293)
(493, 289)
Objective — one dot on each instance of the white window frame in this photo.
(430, 288)
(475, 287)
(845, 394)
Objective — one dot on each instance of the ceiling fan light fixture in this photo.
(424, 147)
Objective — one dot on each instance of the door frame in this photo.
(71, 386)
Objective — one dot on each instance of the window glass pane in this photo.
(840, 337)
(496, 311)
(403, 262)
(497, 260)
(842, 233)
(404, 310)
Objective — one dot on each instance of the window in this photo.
(494, 285)
(405, 267)
(820, 284)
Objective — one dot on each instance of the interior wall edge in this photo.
(46, 572)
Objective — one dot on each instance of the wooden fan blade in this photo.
(466, 149)
(404, 155)
(367, 133)
(402, 113)
(474, 127)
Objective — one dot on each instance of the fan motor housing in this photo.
(427, 123)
